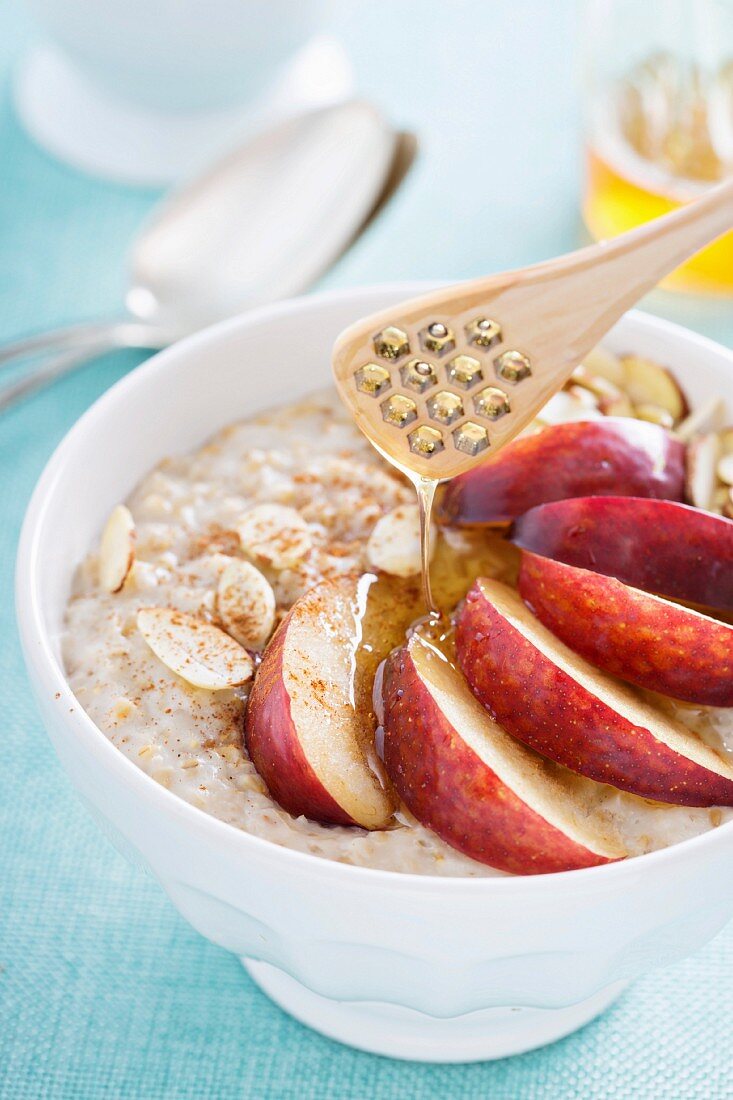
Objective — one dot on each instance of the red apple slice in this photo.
(465, 778)
(613, 455)
(309, 724)
(658, 545)
(555, 702)
(631, 634)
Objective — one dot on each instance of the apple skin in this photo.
(545, 708)
(309, 723)
(450, 790)
(614, 455)
(638, 637)
(661, 546)
(273, 745)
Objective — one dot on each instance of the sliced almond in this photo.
(701, 480)
(724, 469)
(246, 604)
(394, 544)
(616, 406)
(646, 383)
(117, 549)
(585, 396)
(595, 384)
(564, 406)
(606, 365)
(721, 499)
(655, 414)
(198, 652)
(275, 535)
(726, 440)
(705, 418)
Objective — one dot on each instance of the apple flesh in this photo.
(661, 546)
(558, 704)
(309, 723)
(614, 455)
(465, 778)
(634, 635)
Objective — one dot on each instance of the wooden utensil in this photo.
(442, 382)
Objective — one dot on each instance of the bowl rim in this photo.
(48, 674)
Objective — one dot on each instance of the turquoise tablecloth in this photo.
(104, 990)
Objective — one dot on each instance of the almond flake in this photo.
(605, 364)
(117, 549)
(563, 407)
(585, 396)
(725, 469)
(275, 535)
(647, 383)
(705, 418)
(721, 500)
(616, 406)
(595, 384)
(654, 414)
(702, 459)
(246, 604)
(394, 544)
(726, 440)
(198, 652)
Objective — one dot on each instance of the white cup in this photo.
(140, 90)
(191, 55)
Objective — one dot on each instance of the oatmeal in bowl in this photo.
(155, 605)
(251, 634)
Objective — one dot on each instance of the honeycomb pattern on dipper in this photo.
(446, 387)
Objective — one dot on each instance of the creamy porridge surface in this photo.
(189, 740)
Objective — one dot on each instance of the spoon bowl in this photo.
(265, 222)
(262, 224)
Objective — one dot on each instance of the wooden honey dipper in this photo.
(441, 382)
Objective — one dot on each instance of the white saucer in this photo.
(398, 1032)
(72, 118)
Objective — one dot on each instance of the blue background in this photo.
(104, 990)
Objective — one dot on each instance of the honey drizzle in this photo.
(425, 488)
(389, 609)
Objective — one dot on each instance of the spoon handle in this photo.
(581, 295)
(117, 333)
(59, 351)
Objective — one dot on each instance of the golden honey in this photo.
(658, 140)
(390, 606)
(614, 203)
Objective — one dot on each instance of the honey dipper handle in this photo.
(583, 294)
(647, 254)
(546, 318)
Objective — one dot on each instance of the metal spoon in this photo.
(262, 224)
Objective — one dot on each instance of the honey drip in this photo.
(390, 609)
(425, 488)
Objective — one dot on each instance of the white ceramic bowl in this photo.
(415, 967)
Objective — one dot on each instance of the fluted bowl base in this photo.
(398, 1032)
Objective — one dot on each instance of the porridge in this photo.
(168, 622)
